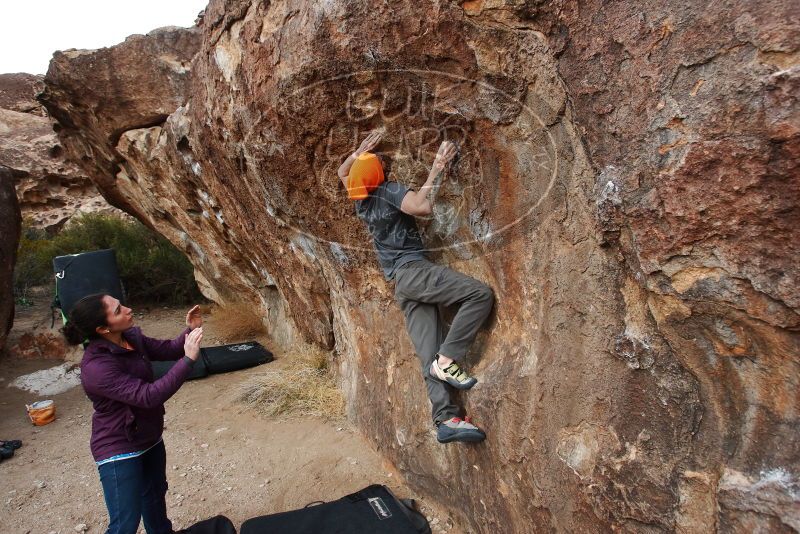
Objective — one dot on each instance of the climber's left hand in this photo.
(446, 153)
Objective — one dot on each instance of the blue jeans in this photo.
(135, 489)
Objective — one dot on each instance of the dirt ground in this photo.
(221, 457)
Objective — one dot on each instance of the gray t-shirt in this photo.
(394, 233)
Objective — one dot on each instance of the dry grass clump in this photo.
(237, 321)
(303, 386)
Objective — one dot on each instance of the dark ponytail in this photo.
(86, 315)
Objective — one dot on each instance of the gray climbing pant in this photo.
(420, 287)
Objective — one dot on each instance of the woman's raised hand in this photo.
(191, 346)
(369, 143)
(194, 318)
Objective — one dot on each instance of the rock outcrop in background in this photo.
(10, 227)
(50, 188)
(627, 183)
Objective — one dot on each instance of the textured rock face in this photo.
(10, 227)
(49, 187)
(18, 93)
(626, 183)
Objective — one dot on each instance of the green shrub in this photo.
(151, 268)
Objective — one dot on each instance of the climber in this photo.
(389, 209)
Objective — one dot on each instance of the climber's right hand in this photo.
(191, 346)
(369, 143)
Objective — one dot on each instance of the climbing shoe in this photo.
(457, 429)
(453, 375)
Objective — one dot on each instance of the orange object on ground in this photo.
(42, 412)
(365, 176)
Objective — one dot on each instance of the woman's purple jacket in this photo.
(128, 404)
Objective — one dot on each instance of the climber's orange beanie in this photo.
(365, 176)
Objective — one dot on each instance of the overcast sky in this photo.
(31, 31)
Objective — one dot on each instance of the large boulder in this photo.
(626, 183)
(50, 188)
(103, 93)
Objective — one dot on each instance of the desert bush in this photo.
(237, 321)
(151, 268)
(304, 386)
